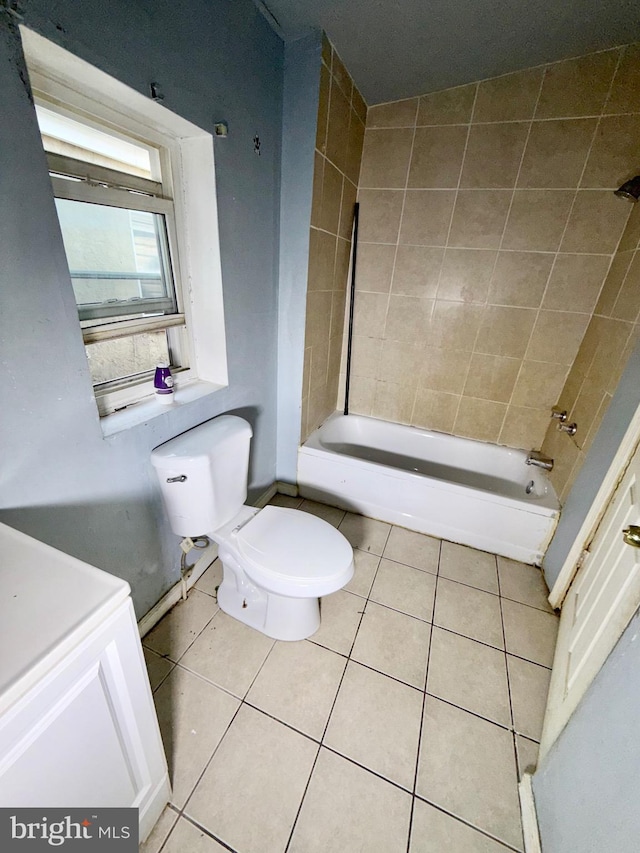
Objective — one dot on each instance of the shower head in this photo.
(630, 189)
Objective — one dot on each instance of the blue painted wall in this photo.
(586, 790)
(299, 120)
(61, 480)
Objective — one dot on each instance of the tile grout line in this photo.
(200, 827)
(181, 811)
(333, 704)
(504, 231)
(395, 258)
(509, 121)
(163, 844)
(499, 594)
(302, 799)
(613, 254)
(197, 636)
(466, 822)
(578, 189)
(514, 744)
(446, 241)
(231, 721)
(182, 808)
(424, 704)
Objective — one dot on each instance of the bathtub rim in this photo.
(548, 505)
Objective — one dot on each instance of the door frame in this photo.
(558, 597)
(612, 478)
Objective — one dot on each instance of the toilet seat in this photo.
(293, 553)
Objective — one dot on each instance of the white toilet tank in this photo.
(203, 474)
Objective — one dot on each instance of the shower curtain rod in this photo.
(352, 296)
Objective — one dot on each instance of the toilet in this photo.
(276, 562)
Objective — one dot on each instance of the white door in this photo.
(603, 597)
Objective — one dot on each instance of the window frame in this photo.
(69, 85)
(141, 194)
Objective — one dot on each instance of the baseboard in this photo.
(290, 489)
(266, 496)
(173, 596)
(530, 830)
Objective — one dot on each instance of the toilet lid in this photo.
(294, 545)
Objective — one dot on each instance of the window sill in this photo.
(149, 407)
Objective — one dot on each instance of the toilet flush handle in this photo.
(180, 479)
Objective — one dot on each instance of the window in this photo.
(115, 207)
(135, 197)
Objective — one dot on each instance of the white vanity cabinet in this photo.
(77, 723)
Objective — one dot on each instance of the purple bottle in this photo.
(163, 383)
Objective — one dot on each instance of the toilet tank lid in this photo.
(198, 442)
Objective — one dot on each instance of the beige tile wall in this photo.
(611, 336)
(487, 229)
(341, 117)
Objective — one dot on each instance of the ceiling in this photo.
(399, 48)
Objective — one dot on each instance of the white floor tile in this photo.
(527, 753)
(157, 668)
(160, 831)
(530, 633)
(250, 793)
(404, 588)
(287, 501)
(469, 674)
(228, 653)
(523, 583)
(529, 684)
(365, 568)
(242, 773)
(376, 722)
(433, 831)
(349, 810)
(193, 717)
(466, 565)
(187, 837)
(173, 635)
(211, 579)
(393, 643)
(298, 685)
(468, 611)
(413, 549)
(467, 766)
(367, 534)
(328, 513)
(340, 616)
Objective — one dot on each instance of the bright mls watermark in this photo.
(69, 829)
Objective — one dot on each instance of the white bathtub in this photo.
(454, 488)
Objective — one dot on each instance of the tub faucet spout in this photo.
(538, 459)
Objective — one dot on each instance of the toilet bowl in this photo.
(277, 562)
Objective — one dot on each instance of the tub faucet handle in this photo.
(559, 414)
(534, 457)
(570, 429)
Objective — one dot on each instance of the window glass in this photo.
(126, 357)
(64, 135)
(118, 260)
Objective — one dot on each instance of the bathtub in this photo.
(457, 489)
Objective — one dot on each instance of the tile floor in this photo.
(402, 725)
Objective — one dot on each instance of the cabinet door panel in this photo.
(87, 734)
(73, 756)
